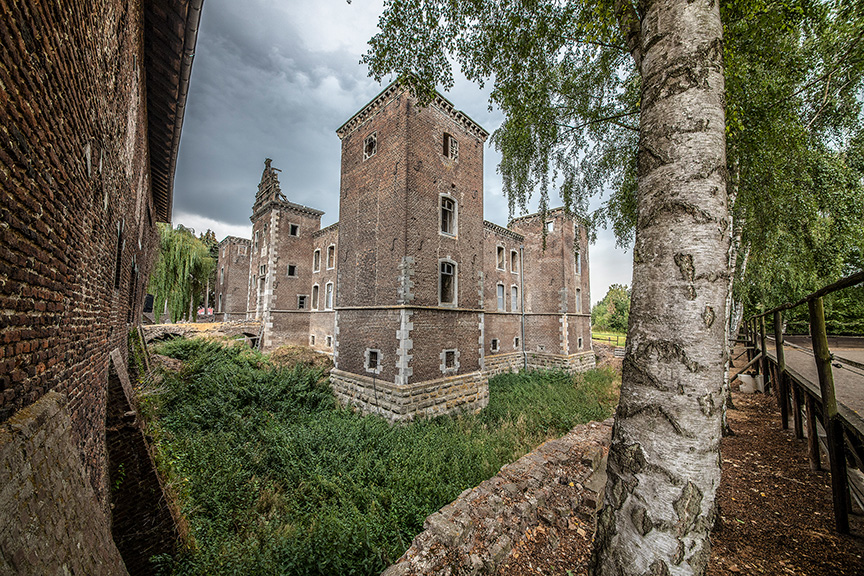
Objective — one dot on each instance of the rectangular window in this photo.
(372, 360)
(579, 342)
(262, 270)
(550, 226)
(222, 275)
(450, 359)
(447, 283)
(292, 270)
(328, 297)
(370, 146)
(293, 230)
(256, 239)
(331, 257)
(315, 297)
(514, 298)
(301, 302)
(500, 257)
(500, 288)
(495, 345)
(329, 341)
(448, 215)
(316, 261)
(220, 302)
(516, 343)
(578, 262)
(312, 339)
(514, 261)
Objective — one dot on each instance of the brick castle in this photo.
(417, 298)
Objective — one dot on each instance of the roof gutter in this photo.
(193, 20)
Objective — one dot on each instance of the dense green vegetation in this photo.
(612, 313)
(275, 478)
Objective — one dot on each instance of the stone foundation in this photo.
(405, 402)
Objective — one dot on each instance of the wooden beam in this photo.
(812, 438)
(781, 389)
(832, 422)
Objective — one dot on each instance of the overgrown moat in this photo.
(273, 476)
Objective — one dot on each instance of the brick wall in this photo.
(232, 278)
(52, 521)
(78, 234)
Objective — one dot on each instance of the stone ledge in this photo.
(475, 533)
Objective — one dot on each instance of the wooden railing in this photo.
(844, 429)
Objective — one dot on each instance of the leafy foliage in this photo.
(275, 478)
(181, 271)
(612, 313)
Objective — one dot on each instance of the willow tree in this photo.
(563, 70)
(180, 274)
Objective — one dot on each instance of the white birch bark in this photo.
(664, 467)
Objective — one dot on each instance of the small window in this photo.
(293, 230)
(550, 226)
(579, 342)
(448, 215)
(328, 296)
(329, 341)
(500, 290)
(495, 345)
(242, 250)
(578, 301)
(331, 257)
(514, 261)
(257, 232)
(292, 270)
(262, 270)
(370, 146)
(315, 297)
(447, 283)
(312, 339)
(449, 361)
(372, 361)
(500, 257)
(516, 343)
(514, 298)
(222, 275)
(316, 261)
(451, 147)
(220, 302)
(578, 259)
(301, 302)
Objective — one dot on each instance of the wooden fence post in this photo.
(812, 439)
(781, 391)
(832, 422)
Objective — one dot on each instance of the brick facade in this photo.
(232, 279)
(91, 106)
(415, 295)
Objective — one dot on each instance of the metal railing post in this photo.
(833, 424)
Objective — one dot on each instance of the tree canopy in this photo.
(613, 311)
(180, 273)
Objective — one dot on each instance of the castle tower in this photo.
(409, 319)
(280, 273)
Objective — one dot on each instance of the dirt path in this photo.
(775, 514)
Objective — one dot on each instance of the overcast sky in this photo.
(276, 78)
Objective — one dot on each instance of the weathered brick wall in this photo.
(561, 481)
(52, 521)
(78, 234)
(232, 278)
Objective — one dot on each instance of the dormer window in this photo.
(370, 146)
(451, 147)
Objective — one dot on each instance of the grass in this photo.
(617, 338)
(274, 477)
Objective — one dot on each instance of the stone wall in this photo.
(232, 279)
(52, 522)
(405, 402)
(474, 534)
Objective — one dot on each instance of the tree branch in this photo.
(598, 120)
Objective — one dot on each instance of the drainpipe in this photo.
(522, 304)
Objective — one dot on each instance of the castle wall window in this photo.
(222, 275)
(495, 346)
(370, 146)
(328, 296)
(329, 341)
(372, 360)
(449, 361)
(293, 230)
(257, 232)
(550, 226)
(499, 254)
(579, 341)
(516, 343)
(331, 257)
(451, 147)
(316, 261)
(447, 283)
(220, 302)
(262, 270)
(292, 270)
(500, 293)
(448, 215)
(311, 339)
(301, 301)
(578, 301)
(514, 298)
(578, 261)
(514, 261)
(315, 297)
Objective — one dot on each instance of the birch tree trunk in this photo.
(664, 467)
